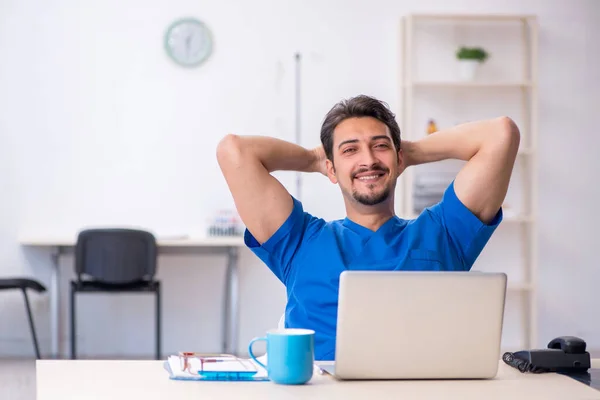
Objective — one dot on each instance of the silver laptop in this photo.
(419, 325)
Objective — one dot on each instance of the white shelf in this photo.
(519, 287)
(472, 17)
(467, 85)
(420, 88)
(525, 152)
(516, 287)
(514, 219)
(519, 219)
(70, 241)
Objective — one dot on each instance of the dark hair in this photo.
(359, 106)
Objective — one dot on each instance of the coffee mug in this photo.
(290, 355)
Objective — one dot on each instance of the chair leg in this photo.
(158, 338)
(31, 326)
(73, 333)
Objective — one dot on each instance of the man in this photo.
(362, 153)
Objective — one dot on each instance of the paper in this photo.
(224, 364)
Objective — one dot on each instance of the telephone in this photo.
(565, 354)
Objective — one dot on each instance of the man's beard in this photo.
(371, 199)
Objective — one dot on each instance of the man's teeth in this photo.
(364, 178)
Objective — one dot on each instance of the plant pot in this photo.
(468, 69)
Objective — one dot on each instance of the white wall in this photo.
(97, 126)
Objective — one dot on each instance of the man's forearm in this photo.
(276, 154)
(463, 141)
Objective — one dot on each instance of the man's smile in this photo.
(372, 176)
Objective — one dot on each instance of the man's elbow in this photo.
(229, 150)
(508, 134)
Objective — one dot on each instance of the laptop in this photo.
(419, 325)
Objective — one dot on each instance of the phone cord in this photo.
(522, 365)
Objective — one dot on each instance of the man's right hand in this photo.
(262, 201)
(320, 162)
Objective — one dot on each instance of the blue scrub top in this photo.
(308, 254)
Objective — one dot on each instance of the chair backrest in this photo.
(116, 255)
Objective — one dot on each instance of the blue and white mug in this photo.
(290, 355)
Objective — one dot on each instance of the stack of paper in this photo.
(225, 368)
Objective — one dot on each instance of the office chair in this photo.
(115, 261)
(23, 284)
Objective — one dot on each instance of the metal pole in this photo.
(55, 328)
(297, 118)
(231, 304)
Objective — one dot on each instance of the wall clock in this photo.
(188, 42)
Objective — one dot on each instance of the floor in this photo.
(17, 379)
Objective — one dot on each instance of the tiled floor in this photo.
(17, 379)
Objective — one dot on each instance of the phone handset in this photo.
(564, 354)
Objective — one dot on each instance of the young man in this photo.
(362, 153)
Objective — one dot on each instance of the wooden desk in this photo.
(226, 245)
(87, 380)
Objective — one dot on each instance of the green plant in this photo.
(472, 53)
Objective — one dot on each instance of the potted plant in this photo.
(469, 59)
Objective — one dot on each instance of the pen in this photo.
(209, 361)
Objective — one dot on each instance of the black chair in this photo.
(23, 284)
(115, 261)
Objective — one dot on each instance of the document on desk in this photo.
(217, 369)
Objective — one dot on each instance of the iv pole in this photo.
(297, 118)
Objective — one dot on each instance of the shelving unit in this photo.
(507, 85)
(448, 84)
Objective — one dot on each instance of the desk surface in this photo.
(87, 379)
(209, 241)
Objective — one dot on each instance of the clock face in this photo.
(188, 42)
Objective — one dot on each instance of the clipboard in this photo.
(190, 366)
